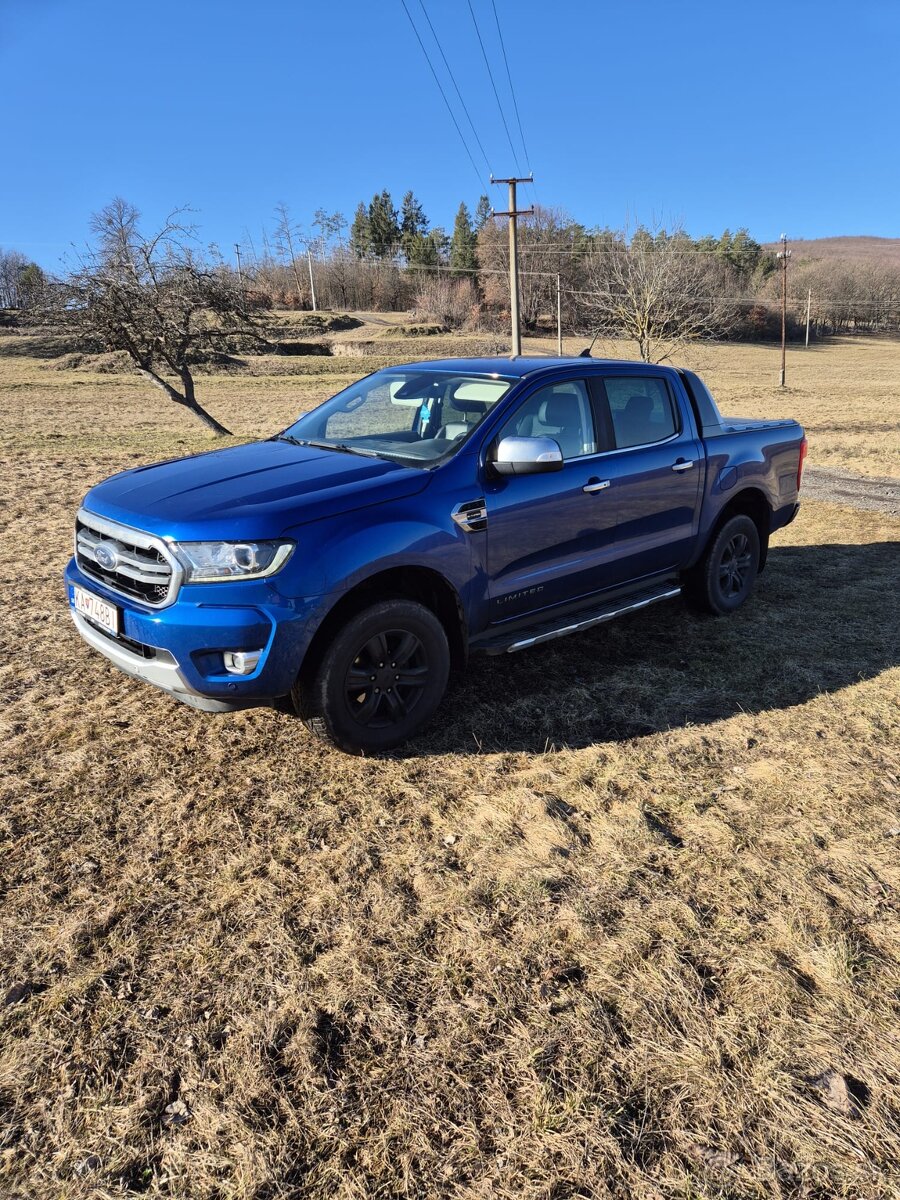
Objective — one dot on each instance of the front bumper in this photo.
(161, 670)
(179, 649)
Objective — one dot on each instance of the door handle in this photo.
(596, 485)
(681, 465)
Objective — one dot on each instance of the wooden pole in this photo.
(808, 306)
(312, 286)
(513, 213)
(784, 255)
(237, 251)
(559, 345)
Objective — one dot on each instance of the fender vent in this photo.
(471, 515)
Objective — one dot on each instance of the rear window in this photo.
(641, 409)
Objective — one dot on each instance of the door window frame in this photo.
(587, 383)
(601, 397)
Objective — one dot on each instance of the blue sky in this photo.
(776, 116)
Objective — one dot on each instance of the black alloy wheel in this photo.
(724, 577)
(379, 680)
(735, 565)
(387, 679)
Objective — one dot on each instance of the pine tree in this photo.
(482, 213)
(360, 235)
(746, 252)
(413, 225)
(384, 228)
(427, 250)
(463, 243)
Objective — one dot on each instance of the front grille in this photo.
(139, 564)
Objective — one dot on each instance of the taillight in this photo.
(803, 449)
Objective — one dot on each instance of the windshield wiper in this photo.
(342, 447)
(345, 449)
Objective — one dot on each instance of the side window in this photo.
(641, 410)
(561, 411)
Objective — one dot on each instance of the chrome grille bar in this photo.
(145, 569)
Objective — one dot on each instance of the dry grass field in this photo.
(623, 924)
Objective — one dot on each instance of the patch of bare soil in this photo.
(870, 492)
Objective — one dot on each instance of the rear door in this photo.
(549, 536)
(654, 470)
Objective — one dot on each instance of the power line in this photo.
(456, 85)
(443, 93)
(512, 92)
(761, 301)
(582, 247)
(754, 301)
(493, 85)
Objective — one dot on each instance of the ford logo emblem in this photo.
(107, 556)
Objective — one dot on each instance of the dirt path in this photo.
(876, 493)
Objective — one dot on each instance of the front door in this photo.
(549, 535)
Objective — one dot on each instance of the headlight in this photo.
(209, 562)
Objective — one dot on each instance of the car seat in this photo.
(560, 417)
(633, 425)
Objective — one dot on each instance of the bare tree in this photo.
(289, 238)
(551, 243)
(656, 289)
(21, 281)
(157, 299)
(331, 227)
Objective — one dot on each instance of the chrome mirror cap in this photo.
(527, 456)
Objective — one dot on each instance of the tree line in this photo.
(170, 305)
(393, 259)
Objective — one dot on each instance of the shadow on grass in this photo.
(42, 345)
(823, 617)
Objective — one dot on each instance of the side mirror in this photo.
(527, 456)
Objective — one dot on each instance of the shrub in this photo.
(443, 301)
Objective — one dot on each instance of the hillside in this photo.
(883, 249)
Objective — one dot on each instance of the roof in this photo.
(519, 367)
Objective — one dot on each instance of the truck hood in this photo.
(254, 491)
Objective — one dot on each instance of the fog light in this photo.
(241, 662)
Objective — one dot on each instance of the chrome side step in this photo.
(585, 620)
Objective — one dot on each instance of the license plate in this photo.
(101, 612)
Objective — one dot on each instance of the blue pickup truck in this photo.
(342, 567)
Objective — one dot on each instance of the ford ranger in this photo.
(342, 567)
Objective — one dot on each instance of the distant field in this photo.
(846, 393)
(602, 932)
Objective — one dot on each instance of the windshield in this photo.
(415, 416)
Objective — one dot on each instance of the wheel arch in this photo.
(422, 584)
(749, 502)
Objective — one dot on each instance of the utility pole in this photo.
(808, 306)
(513, 213)
(312, 286)
(237, 251)
(784, 254)
(558, 316)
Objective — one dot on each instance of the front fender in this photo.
(352, 557)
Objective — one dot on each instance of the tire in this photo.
(380, 680)
(724, 577)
